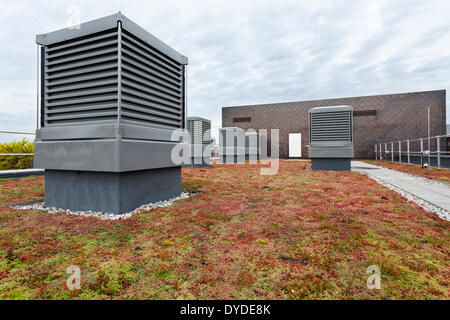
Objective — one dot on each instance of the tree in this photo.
(16, 162)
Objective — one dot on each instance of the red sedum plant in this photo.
(299, 234)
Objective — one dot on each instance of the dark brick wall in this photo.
(398, 117)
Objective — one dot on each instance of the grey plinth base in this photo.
(240, 159)
(253, 157)
(111, 192)
(331, 164)
(232, 159)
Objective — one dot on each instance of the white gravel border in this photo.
(441, 212)
(105, 215)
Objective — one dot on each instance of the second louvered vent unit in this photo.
(331, 137)
(199, 129)
(200, 139)
(232, 145)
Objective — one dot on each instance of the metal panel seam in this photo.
(119, 71)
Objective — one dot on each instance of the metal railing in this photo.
(18, 173)
(397, 148)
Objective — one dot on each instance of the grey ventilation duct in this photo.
(111, 96)
(200, 134)
(331, 137)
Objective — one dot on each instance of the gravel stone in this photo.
(105, 215)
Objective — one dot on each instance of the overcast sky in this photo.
(247, 52)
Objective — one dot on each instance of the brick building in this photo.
(380, 118)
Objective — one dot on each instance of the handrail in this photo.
(379, 150)
(18, 132)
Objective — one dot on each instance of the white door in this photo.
(295, 145)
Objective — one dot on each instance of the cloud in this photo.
(247, 52)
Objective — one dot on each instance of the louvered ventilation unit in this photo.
(200, 139)
(199, 130)
(331, 137)
(111, 95)
(252, 145)
(232, 145)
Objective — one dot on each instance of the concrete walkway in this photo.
(432, 191)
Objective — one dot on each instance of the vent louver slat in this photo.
(145, 46)
(83, 40)
(127, 61)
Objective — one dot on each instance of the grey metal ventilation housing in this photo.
(232, 145)
(111, 96)
(331, 137)
(200, 134)
(252, 145)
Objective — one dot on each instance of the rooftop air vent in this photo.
(200, 133)
(111, 96)
(331, 137)
(252, 145)
(232, 145)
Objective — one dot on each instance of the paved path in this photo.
(432, 191)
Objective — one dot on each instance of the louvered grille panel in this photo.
(152, 85)
(206, 132)
(81, 80)
(199, 128)
(331, 126)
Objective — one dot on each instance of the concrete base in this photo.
(331, 164)
(111, 192)
(253, 157)
(232, 159)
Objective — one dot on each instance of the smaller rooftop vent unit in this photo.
(232, 145)
(200, 132)
(252, 145)
(331, 137)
